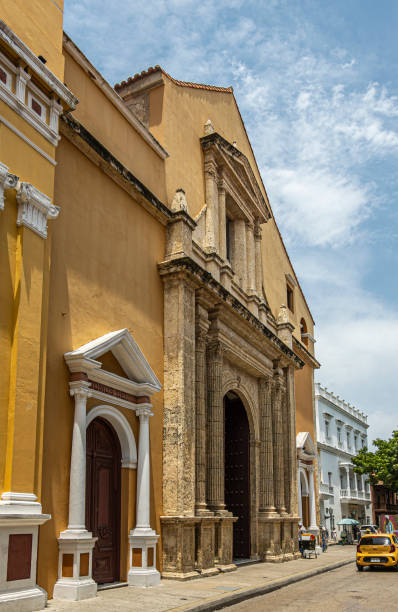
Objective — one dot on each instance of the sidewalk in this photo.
(211, 593)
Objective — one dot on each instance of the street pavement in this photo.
(214, 592)
(341, 590)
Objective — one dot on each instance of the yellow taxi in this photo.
(377, 549)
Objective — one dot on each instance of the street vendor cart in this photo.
(308, 545)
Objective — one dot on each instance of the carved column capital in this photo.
(257, 230)
(7, 181)
(80, 389)
(211, 169)
(215, 350)
(34, 208)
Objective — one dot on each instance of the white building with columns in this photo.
(341, 433)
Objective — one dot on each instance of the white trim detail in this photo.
(27, 140)
(140, 378)
(34, 208)
(123, 430)
(7, 181)
(43, 73)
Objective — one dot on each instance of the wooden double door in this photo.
(103, 486)
(237, 472)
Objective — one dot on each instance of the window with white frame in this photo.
(327, 429)
(339, 435)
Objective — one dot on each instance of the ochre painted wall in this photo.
(105, 122)
(305, 420)
(38, 23)
(104, 277)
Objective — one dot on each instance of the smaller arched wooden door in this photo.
(103, 471)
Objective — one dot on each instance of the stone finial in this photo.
(283, 315)
(208, 127)
(179, 201)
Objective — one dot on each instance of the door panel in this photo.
(237, 474)
(103, 499)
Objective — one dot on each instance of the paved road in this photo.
(341, 590)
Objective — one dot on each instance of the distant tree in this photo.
(382, 465)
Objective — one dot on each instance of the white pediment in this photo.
(140, 377)
(305, 444)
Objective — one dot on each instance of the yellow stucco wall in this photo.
(104, 277)
(113, 130)
(38, 23)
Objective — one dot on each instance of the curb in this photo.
(234, 598)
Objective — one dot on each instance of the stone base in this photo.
(180, 575)
(75, 590)
(227, 568)
(143, 577)
(75, 583)
(23, 600)
(210, 571)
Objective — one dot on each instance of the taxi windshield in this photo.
(375, 541)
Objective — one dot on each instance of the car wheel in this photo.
(359, 568)
(395, 567)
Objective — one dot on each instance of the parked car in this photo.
(377, 549)
(372, 528)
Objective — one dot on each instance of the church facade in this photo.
(158, 349)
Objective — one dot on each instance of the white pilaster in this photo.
(142, 537)
(347, 471)
(76, 540)
(300, 501)
(313, 525)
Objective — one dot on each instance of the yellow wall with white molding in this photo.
(38, 23)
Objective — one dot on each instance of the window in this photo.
(304, 332)
(348, 439)
(355, 442)
(330, 479)
(362, 443)
(327, 432)
(289, 298)
(339, 435)
(228, 229)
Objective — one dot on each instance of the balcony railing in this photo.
(354, 494)
(325, 489)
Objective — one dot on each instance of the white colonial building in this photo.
(341, 433)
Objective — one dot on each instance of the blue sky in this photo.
(316, 83)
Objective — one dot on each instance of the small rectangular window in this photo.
(289, 298)
(228, 229)
(3, 76)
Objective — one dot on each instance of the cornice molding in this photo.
(34, 208)
(185, 266)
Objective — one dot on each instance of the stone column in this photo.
(211, 239)
(76, 541)
(250, 258)
(215, 419)
(347, 471)
(278, 442)
(312, 503)
(291, 496)
(267, 504)
(142, 536)
(240, 250)
(222, 220)
(77, 481)
(258, 259)
(202, 325)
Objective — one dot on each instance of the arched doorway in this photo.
(237, 472)
(103, 467)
